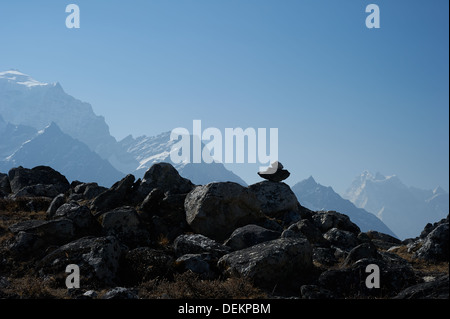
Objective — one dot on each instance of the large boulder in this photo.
(271, 262)
(383, 241)
(97, 257)
(39, 190)
(166, 212)
(84, 222)
(435, 246)
(53, 232)
(217, 209)
(276, 199)
(343, 239)
(365, 250)
(22, 177)
(437, 288)
(164, 177)
(351, 282)
(89, 190)
(198, 244)
(325, 220)
(250, 235)
(115, 196)
(305, 229)
(33, 236)
(55, 204)
(125, 224)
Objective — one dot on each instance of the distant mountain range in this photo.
(40, 124)
(318, 197)
(404, 209)
(65, 124)
(50, 146)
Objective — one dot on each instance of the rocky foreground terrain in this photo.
(164, 237)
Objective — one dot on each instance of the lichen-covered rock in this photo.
(271, 262)
(437, 288)
(325, 220)
(341, 238)
(22, 177)
(198, 244)
(351, 282)
(275, 198)
(97, 257)
(115, 196)
(435, 246)
(55, 204)
(217, 209)
(125, 224)
(250, 235)
(52, 232)
(84, 222)
(164, 177)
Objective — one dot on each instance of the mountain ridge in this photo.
(404, 209)
(318, 197)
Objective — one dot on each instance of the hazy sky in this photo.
(345, 98)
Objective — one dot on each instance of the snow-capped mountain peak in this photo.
(20, 78)
(403, 209)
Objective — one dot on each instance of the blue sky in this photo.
(344, 98)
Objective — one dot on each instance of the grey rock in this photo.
(52, 232)
(165, 177)
(89, 190)
(38, 190)
(305, 229)
(366, 250)
(97, 257)
(217, 209)
(351, 282)
(275, 198)
(90, 294)
(250, 235)
(115, 196)
(435, 246)
(55, 204)
(436, 289)
(198, 244)
(325, 220)
(25, 244)
(168, 206)
(383, 241)
(197, 263)
(81, 216)
(22, 177)
(269, 263)
(341, 238)
(327, 256)
(125, 224)
(275, 173)
(120, 293)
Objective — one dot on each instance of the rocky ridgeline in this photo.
(139, 230)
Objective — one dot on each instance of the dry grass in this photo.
(30, 287)
(421, 264)
(189, 286)
(9, 218)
